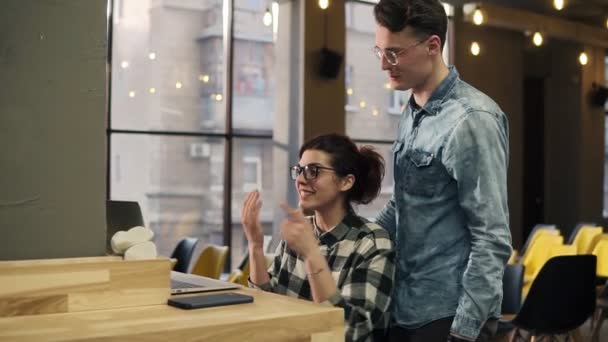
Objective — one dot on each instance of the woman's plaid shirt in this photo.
(361, 259)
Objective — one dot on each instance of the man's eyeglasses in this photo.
(392, 56)
(311, 171)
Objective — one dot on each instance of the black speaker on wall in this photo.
(329, 63)
(599, 95)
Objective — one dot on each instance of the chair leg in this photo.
(595, 335)
(514, 334)
(575, 335)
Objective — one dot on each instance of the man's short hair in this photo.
(425, 17)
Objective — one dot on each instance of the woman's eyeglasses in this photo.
(311, 171)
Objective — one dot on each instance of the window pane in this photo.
(372, 109)
(254, 62)
(178, 182)
(167, 65)
(252, 170)
(372, 209)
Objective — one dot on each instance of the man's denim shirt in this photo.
(449, 216)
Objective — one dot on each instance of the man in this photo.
(448, 216)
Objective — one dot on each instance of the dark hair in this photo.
(425, 17)
(363, 162)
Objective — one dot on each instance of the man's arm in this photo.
(476, 155)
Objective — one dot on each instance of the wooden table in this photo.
(270, 317)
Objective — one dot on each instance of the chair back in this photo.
(561, 298)
(541, 227)
(211, 261)
(577, 228)
(121, 215)
(585, 237)
(538, 253)
(512, 282)
(183, 253)
(601, 252)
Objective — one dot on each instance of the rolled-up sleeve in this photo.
(476, 156)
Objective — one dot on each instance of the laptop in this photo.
(190, 283)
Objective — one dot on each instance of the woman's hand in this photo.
(297, 231)
(250, 218)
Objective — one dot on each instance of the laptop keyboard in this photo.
(176, 284)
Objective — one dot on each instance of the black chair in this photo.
(121, 215)
(512, 283)
(601, 313)
(183, 253)
(561, 298)
(577, 228)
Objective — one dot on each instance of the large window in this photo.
(372, 108)
(170, 145)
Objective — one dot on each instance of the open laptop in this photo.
(189, 283)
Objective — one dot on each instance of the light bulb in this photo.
(558, 4)
(375, 112)
(124, 64)
(178, 85)
(349, 91)
(323, 4)
(583, 58)
(131, 93)
(475, 49)
(152, 56)
(267, 18)
(362, 104)
(152, 90)
(478, 17)
(537, 39)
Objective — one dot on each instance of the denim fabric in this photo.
(448, 216)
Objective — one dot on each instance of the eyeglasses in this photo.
(311, 171)
(391, 56)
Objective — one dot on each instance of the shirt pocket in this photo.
(424, 173)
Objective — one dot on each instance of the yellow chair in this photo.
(211, 261)
(538, 254)
(241, 276)
(538, 233)
(601, 252)
(553, 250)
(585, 237)
(596, 240)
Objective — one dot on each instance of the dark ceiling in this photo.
(591, 12)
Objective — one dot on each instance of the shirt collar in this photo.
(338, 233)
(433, 105)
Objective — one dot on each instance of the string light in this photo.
(204, 78)
(152, 56)
(537, 39)
(349, 91)
(124, 64)
(178, 85)
(375, 112)
(218, 97)
(558, 4)
(152, 90)
(475, 49)
(323, 4)
(387, 85)
(478, 17)
(131, 94)
(267, 17)
(362, 104)
(583, 58)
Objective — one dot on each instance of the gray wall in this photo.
(52, 123)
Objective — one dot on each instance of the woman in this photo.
(333, 256)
